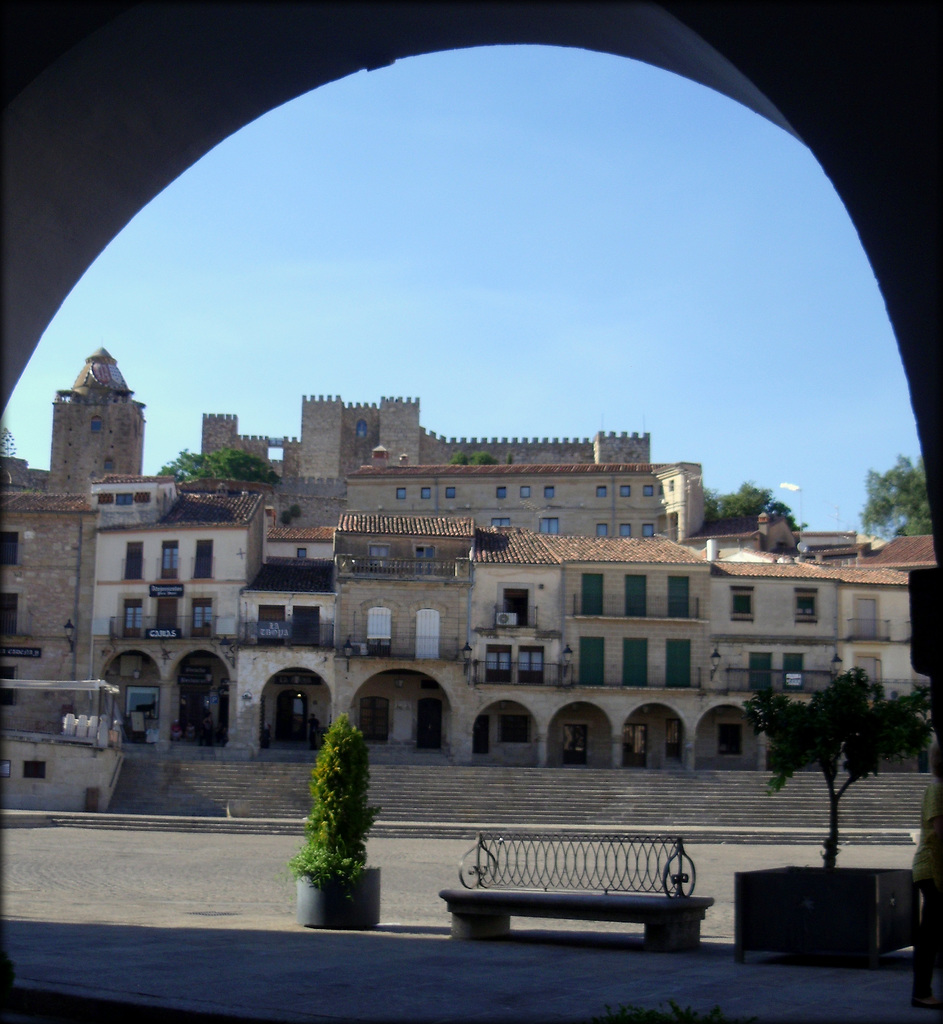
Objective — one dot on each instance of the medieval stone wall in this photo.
(81, 453)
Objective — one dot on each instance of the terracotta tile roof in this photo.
(514, 544)
(810, 571)
(32, 501)
(130, 478)
(295, 576)
(212, 509)
(313, 533)
(416, 526)
(734, 526)
(514, 469)
(904, 551)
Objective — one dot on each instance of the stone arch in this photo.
(507, 732)
(721, 728)
(404, 714)
(580, 733)
(288, 698)
(654, 735)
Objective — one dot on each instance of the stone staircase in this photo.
(451, 800)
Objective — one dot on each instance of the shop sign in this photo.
(169, 633)
(274, 631)
(794, 680)
(21, 652)
(194, 678)
(166, 590)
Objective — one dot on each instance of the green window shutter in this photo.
(592, 661)
(592, 593)
(677, 662)
(634, 661)
(761, 671)
(677, 597)
(792, 663)
(635, 596)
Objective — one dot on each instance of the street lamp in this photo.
(348, 651)
(567, 657)
(69, 631)
(715, 661)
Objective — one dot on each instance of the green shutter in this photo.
(592, 661)
(592, 593)
(634, 661)
(677, 662)
(761, 671)
(635, 596)
(677, 597)
(792, 663)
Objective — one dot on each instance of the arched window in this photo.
(96, 424)
(361, 428)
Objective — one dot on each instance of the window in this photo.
(602, 529)
(497, 664)
(34, 769)
(648, 529)
(427, 633)
(203, 563)
(7, 695)
(792, 671)
(677, 662)
(400, 493)
(530, 665)
(648, 490)
(729, 737)
(425, 492)
(673, 739)
(634, 744)
(501, 521)
(513, 728)
(591, 593)
(424, 555)
(550, 525)
(625, 529)
(525, 492)
(761, 670)
(500, 492)
(634, 661)
(96, 424)
(375, 718)
(134, 560)
(379, 630)
(166, 613)
(125, 498)
(109, 467)
(678, 602)
(133, 617)
(301, 552)
(601, 491)
(202, 618)
(741, 603)
(143, 699)
(378, 554)
(8, 613)
(592, 661)
(361, 429)
(548, 492)
(625, 490)
(805, 605)
(635, 597)
(9, 548)
(169, 560)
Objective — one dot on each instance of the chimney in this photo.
(762, 522)
(381, 457)
(404, 459)
(711, 551)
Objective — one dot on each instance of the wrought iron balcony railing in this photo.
(402, 568)
(147, 627)
(869, 629)
(288, 633)
(747, 679)
(405, 647)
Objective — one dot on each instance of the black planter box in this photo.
(851, 911)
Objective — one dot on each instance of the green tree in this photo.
(749, 500)
(477, 459)
(849, 726)
(225, 464)
(7, 444)
(897, 504)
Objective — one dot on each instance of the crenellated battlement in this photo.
(212, 416)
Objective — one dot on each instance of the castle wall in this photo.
(399, 428)
(81, 454)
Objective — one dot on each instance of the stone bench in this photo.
(644, 880)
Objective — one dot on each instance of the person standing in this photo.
(313, 726)
(928, 878)
(206, 731)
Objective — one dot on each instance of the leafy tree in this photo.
(7, 444)
(477, 459)
(459, 459)
(848, 726)
(749, 500)
(225, 464)
(897, 504)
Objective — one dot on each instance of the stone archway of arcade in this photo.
(168, 698)
(284, 707)
(407, 715)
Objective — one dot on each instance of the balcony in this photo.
(402, 568)
(513, 675)
(408, 647)
(154, 628)
(14, 622)
(287, 633)
(868, 629)
(651, 608)
(746, 680)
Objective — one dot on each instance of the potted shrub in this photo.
(847, 730)
(335, 887)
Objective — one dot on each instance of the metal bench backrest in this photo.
(595, 862)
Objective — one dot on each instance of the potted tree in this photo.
(847, 731)
(335, 887)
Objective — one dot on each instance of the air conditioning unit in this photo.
(507, 618)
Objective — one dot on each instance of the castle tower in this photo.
(97, 428)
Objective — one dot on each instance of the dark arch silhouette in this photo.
(105, 104)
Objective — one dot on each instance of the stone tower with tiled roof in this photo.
(97, 428)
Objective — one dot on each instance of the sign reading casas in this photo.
(166, 633)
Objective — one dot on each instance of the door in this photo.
(574, 744)
(291, 716)
(634, 745)
(592, 660)
(427, 633)
(866, 618)
(591, 603)
(306, 625)
(429, 724)
(193, 703)
(480, 732)
(761, 671)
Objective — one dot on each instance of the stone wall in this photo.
(80, 454)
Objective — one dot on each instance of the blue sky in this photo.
(534, 242)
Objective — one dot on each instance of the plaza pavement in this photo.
(166, 926)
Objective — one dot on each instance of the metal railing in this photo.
(868, 629)
(595, 862)
(506, 618)
(150, 627)
(747, 679)
(408, 568)
(301, 634)
(406, 647)
(551, 674)
(651, 608)
(14, 622)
